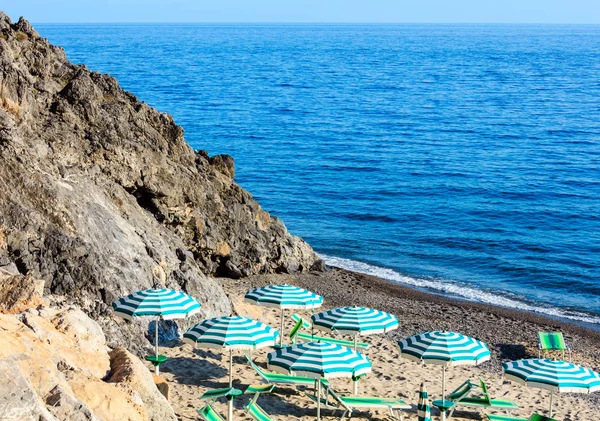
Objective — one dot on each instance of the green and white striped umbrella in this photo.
(552, 375)
(161, 303)
(445, 349)
(284, 297)
(423, 408)
(355, 321)
(164, 303)
(231, 332)
(319, 360)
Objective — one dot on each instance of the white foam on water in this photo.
(456, 290)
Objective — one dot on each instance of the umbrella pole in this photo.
(281, 331)
(156, 369)
(230, 367)
(230, 398)
(551, 393)
(443, 392)
(318, 399)
(355, 380)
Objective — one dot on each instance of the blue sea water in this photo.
(461, 159)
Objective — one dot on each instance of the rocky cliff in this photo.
(97, 188)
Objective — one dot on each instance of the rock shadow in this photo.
(195, 372)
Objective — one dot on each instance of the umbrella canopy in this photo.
(355, 321)
(423, 408)
(319, 360)
(232, 332)
(552, 375)
(283, 297)
(445, 349)
(161, 303)
(164, 303)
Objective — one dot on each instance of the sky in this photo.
(321, 11)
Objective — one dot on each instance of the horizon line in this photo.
(308, 23)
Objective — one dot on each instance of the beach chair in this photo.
(252, 408)
(461, 397)
(276, 378)
(350, 403)
(301, 323)
(208, 413)
(552, 341)
(533, 417)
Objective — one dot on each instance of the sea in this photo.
(462, 160)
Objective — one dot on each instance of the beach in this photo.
(510, 335)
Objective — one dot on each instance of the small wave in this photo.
(456, 290)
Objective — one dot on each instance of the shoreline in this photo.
(368, 268)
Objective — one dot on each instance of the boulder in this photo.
(64, 406)
(131, 374)
(107, 401)
(161, 385)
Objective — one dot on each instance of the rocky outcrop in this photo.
(97, 188)
(131, 375)
(18, 292)
(55, 365)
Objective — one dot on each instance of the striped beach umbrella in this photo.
(423, 408)
(166, 304)
(553, 375)
(445, 349)
(284, 297)
(355, 321)
(231, 332)
(319, 360)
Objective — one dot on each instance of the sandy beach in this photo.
(510, 334)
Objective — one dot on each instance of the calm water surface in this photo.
(462, 159)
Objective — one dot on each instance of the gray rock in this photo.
(18, 398)
(66, 407)
(97, 188)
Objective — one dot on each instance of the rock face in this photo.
(55, 365)
(97, 188)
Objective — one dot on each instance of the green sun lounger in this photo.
(276, 378)
(301, 323)
(553, 341)
(208, 413)
(350, 403)
(460, 397)
(534, 417)
(252, 408)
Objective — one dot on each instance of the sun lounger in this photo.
(350, 403)
(276, 378)
(534, 417)
(301, 323)
(252, 408)
(552, 341)
(208, 413)
(460, 397)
